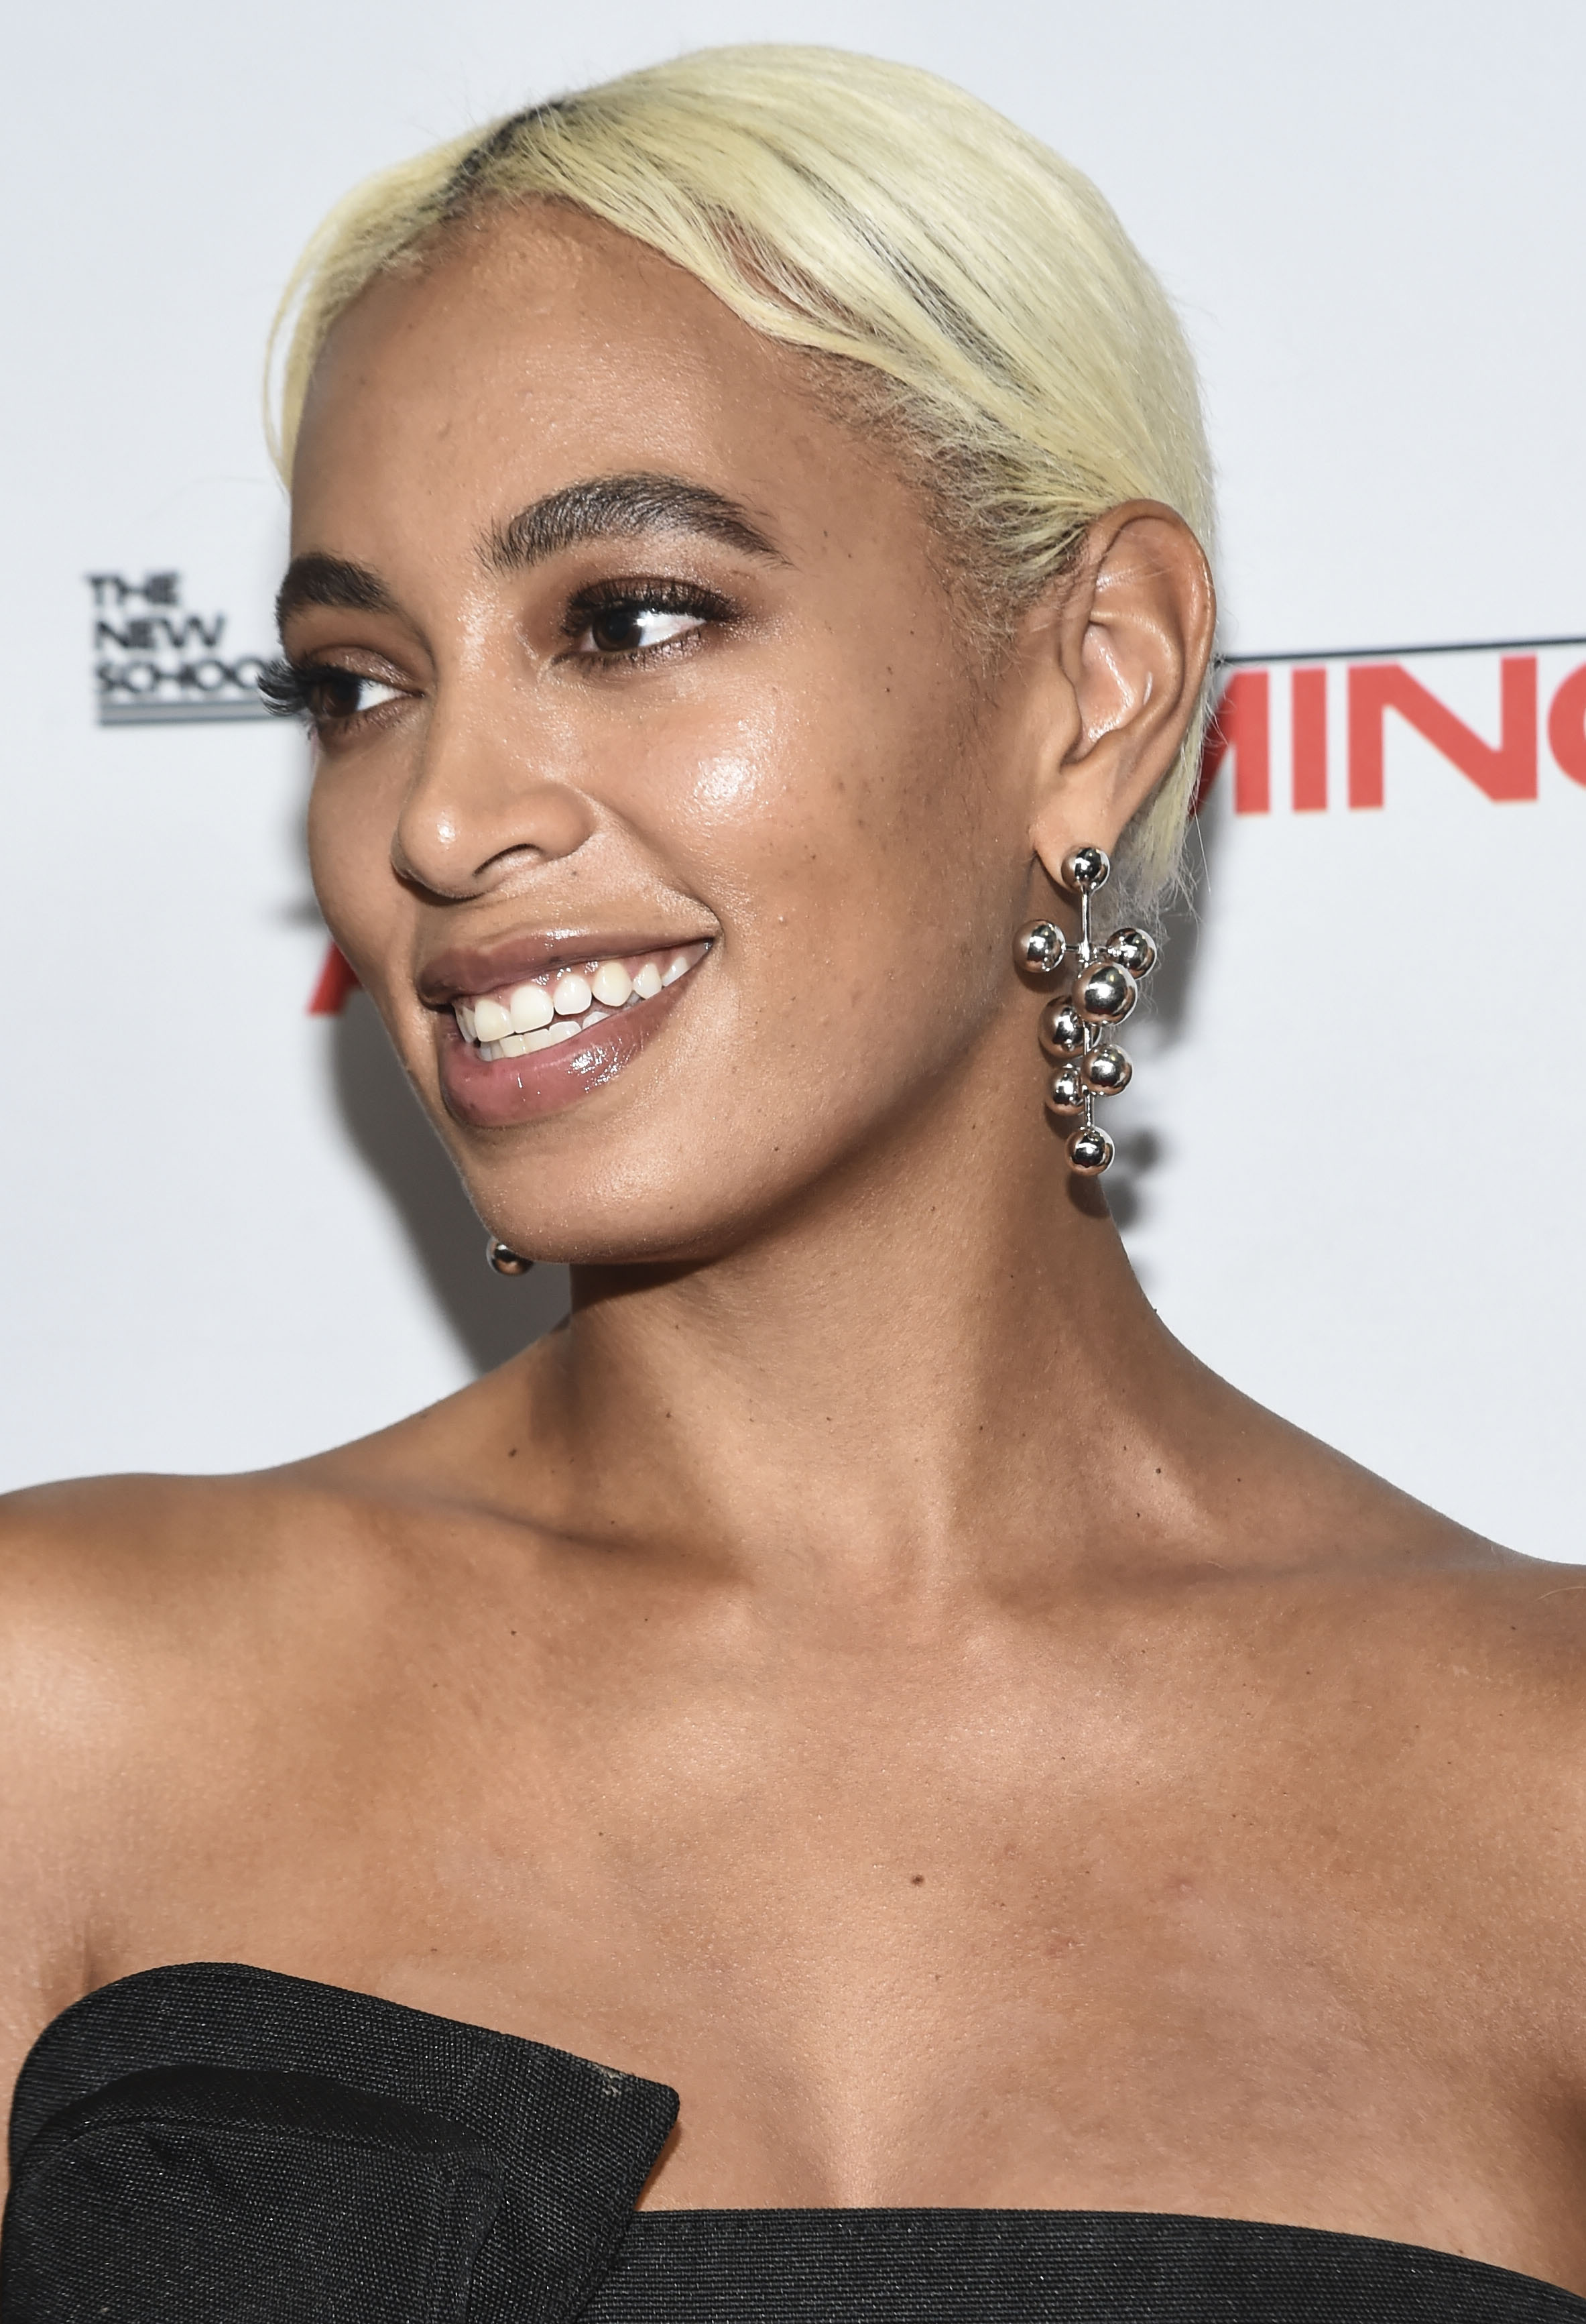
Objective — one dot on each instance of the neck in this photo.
(940, 1355)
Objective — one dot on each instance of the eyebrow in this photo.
(597, 508)
(603, 508)
(316, 579)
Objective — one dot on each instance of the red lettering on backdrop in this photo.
(1243, 724)
(1309, 697)
(338, 978)
(1505, 772)
(1566, 725)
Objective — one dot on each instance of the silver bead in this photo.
(1132, 949)
(1090, 1151)
(1039, 948)
(1065, 1091)
(1061, 1029)
(1086, 870)
(1105, 993)
(1106, 1070)
(503, 1259)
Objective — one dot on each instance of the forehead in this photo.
(536, 343)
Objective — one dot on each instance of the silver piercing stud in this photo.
(1071, 1028)
(1086, 870)
(503, 1259)
(1039, 948)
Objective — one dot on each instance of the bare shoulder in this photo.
(1501, 1634)
(119, 1596)
(125, 1599)
(1443, 1612)
(174, 1651)
(1435, 1597)
(1439, 1674)
(107, 1590)
(148, 1560)
(134, 1563)
(1390, 1584)
(136, 1610)
(1503, 1637)
(1447, 1674)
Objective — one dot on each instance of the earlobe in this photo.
(1133, 633)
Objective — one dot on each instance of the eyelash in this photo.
(642, 596)
(299, 689)
(294, 689)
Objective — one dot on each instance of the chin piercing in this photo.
(503, 1259)
(1074, 1027)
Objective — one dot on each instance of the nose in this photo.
(484, 802)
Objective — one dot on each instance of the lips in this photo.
(511, 1052)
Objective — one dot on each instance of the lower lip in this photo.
(488, 1095)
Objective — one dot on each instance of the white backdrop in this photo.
(1354, 1146)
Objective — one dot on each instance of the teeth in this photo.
(549, 1036)
(533, 1017)
(530, 1007)
(572, 995)
(611, 984)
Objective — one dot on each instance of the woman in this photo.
(1042, 1815)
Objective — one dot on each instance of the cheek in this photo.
(845, 838)
(775, 818)
(349, 858)
(730, 788)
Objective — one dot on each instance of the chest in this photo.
(1005, 1926)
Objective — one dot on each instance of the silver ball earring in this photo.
(503, 1259)
(1074, 1027)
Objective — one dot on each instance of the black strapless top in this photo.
(216, 2144)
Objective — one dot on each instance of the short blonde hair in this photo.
(873, 212)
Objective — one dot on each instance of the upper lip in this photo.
(469, 969)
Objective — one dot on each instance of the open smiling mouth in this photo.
(535, 1046)
(547, 1010)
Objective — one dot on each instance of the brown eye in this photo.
(320, 692)
(333, 695)
(634, 627)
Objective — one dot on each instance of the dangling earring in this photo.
(505, 1260)
(1106, 986)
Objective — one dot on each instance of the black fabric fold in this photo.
(206, 2192)
(211, 2144)
(1044, 2267)
(572, 2143)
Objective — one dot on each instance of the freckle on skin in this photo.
(918, 1881)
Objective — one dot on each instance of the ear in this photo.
(1125, 639)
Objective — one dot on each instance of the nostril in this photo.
(475, 817)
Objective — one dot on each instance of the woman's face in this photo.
(651, 733)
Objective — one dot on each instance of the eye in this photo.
(322, 694)
(635, 629)
(335, 694)
(623, 621)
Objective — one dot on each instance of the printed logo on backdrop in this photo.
(158, 662)
(1310, 733)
